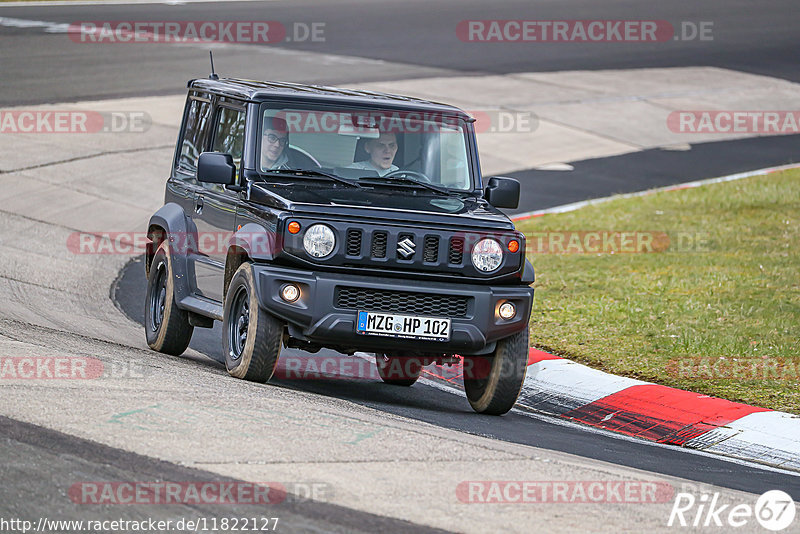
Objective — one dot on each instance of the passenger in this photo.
(274, 140)
(381, 155)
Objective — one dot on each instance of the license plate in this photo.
(407, 326)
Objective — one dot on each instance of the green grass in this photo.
(734, 300)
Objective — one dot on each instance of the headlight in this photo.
(319, 240)
(487, 255)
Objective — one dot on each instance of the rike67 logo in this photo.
(774, 510)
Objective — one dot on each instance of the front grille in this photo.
(381, 300)
(378, 249)
(431, 252)
(456, 255)
(353, 242)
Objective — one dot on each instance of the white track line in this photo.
(688, 185)
(119, 2)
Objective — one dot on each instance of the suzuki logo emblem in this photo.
(406, 247)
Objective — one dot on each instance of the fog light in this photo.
(290, 293)
(507, 311)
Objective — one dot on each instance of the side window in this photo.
(452, 164)
(229, 135)
(194, 135)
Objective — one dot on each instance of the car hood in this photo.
(405, 204)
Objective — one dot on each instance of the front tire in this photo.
(252, 337)
(493, 383)
(398, 370)
(166, 326)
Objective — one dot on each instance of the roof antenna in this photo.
(213, 75)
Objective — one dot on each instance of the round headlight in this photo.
(487, 255)
(319, 240)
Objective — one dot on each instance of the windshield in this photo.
(372, 146)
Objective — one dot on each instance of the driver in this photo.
(274, 140)
(381, 155)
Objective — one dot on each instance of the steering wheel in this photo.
(401, 172)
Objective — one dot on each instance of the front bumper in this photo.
(316, 318)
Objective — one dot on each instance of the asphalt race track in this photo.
(753, 39)
(648, 169)
(434, 406)
(388, 458)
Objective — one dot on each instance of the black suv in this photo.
(309, 217)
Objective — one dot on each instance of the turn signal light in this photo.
(513, 245)
(294, 227)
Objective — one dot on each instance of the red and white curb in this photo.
(569, 390)
(662, 414)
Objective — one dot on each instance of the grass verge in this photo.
(714, 308)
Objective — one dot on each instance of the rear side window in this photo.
(195, 135)
(229, 137)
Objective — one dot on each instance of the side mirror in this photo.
(502, 192)
(216, 168)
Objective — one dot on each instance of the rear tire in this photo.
(166, 326)
(251, 337)
(493, 383)
(398, 370)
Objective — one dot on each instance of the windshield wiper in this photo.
(405, 180)
(310, 173)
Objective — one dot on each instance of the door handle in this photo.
(198, 205)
